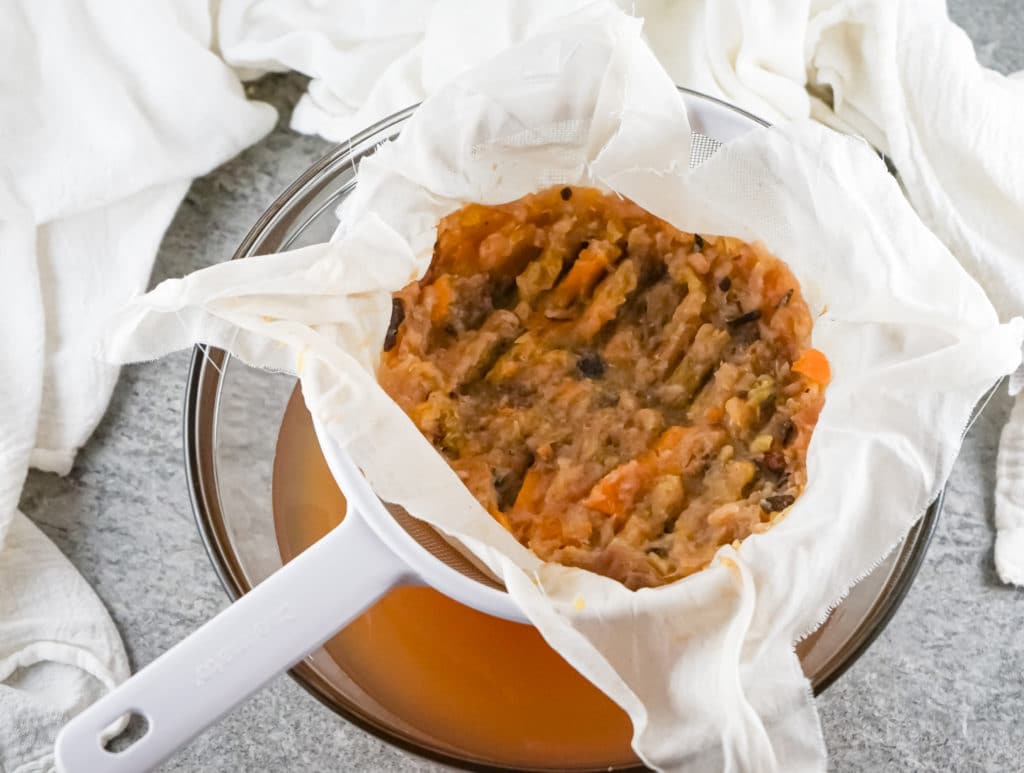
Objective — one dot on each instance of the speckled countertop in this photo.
(942, 689)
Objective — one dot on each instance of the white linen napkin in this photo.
(107, 110)
(897, 72)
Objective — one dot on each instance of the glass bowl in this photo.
(232, 416)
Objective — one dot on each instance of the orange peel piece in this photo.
(814, 365)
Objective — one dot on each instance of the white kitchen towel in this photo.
(107, 110)
(897, 72)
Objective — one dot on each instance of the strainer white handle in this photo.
(269, 629)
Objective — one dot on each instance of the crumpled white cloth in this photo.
(107, 110)
(897, 72)
(705, 667)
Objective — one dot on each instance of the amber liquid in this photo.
(490, 689)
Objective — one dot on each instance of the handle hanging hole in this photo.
(124, 733)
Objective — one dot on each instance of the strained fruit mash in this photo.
(621, 395)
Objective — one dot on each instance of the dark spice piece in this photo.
(742, 319)
(785, 298)
(504, 293)
(777, 502)
(698, 242)
(590, 365)
(725, 284)
(788, 432)
(775, 461)
(397, 317)
(566, 193)
(505, 487)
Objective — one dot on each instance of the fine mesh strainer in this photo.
(376, 547)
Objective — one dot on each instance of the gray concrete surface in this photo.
(941, 690)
